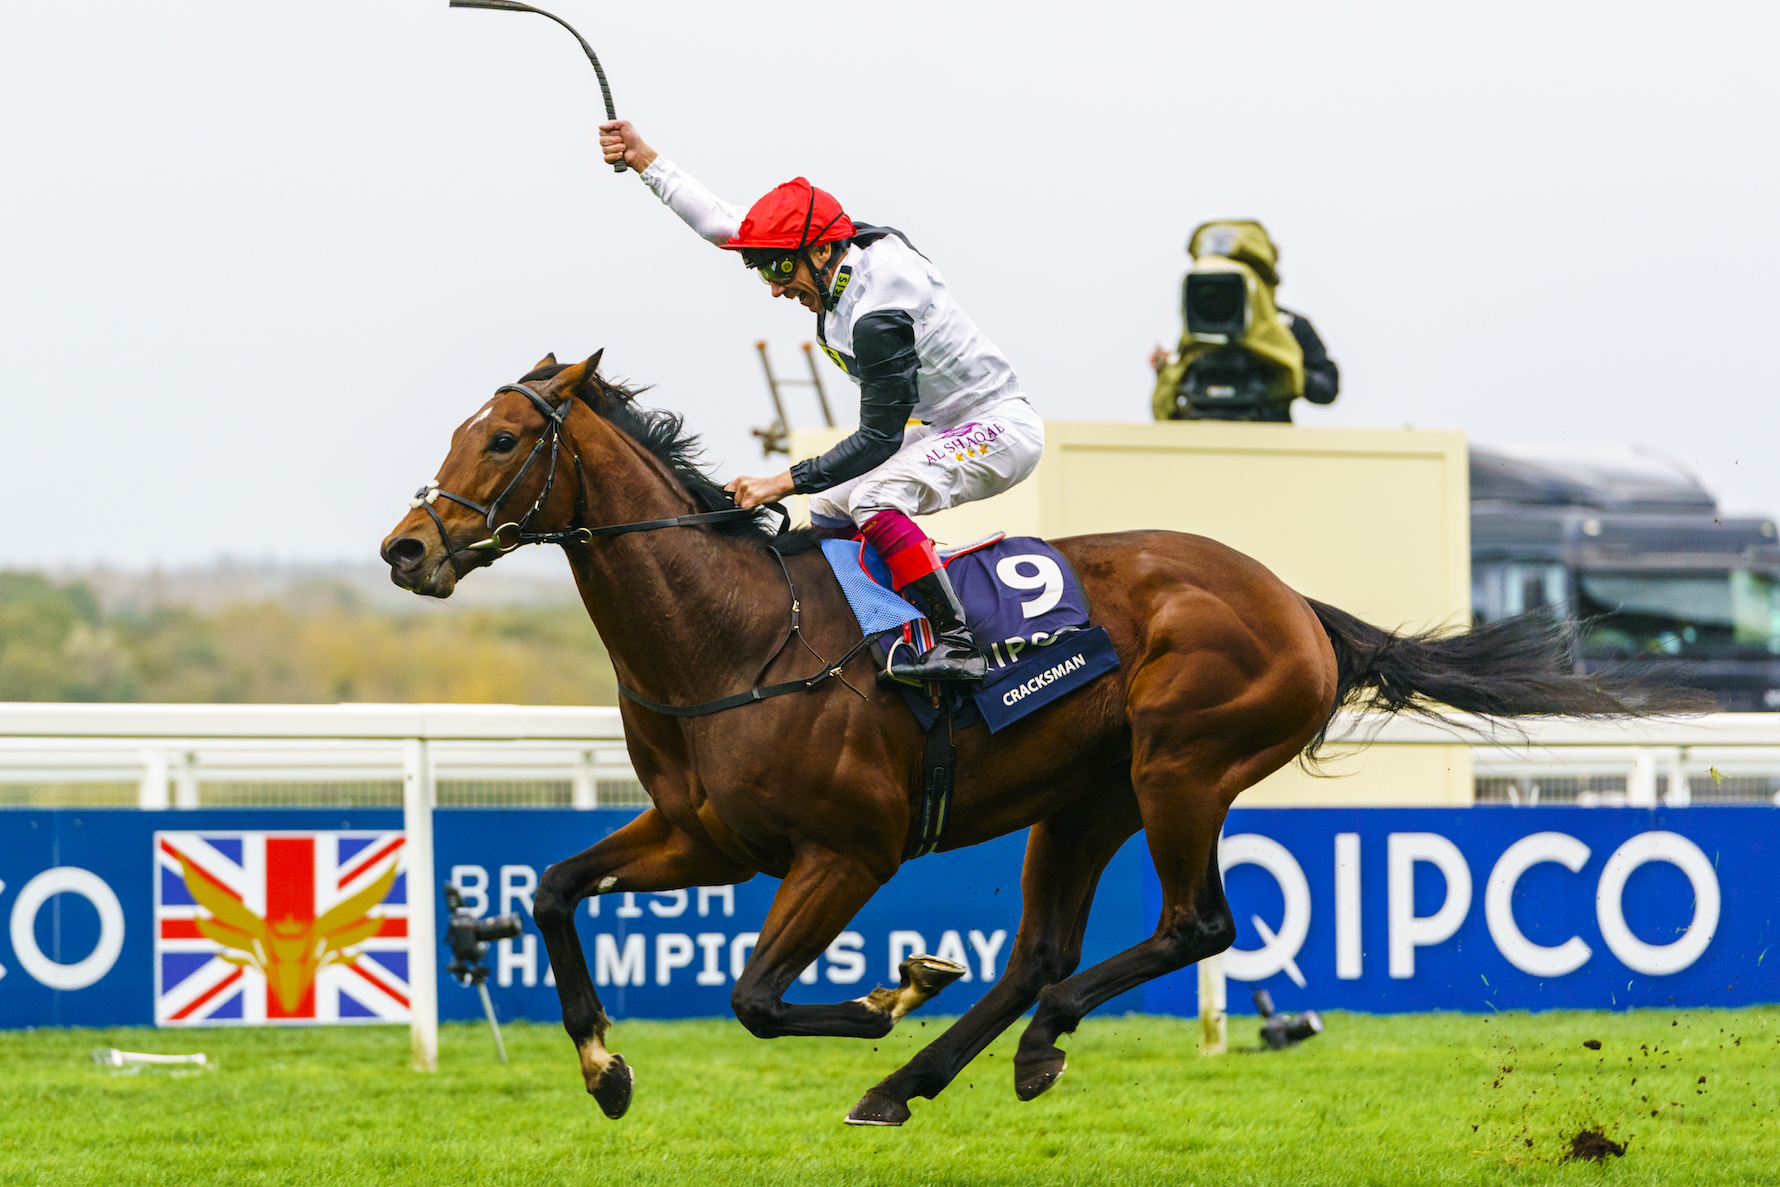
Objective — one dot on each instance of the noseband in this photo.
(512, 534)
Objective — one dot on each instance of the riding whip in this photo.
(515, 6)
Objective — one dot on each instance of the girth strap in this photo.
(939, 771)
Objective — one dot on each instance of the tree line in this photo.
(59, 643)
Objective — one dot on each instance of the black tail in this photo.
(1514, 667)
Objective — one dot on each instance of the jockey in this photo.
(942, 419)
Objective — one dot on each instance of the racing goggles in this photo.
(778, 271)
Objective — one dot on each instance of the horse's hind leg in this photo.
(1207, 722)
(1184, 786)
(1195, 923)
(646, 854)
(1065, 856)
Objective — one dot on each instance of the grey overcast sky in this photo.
(258, 258)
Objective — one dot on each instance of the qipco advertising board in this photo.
(298, 916)
(1497, 908)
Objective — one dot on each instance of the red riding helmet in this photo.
(792, 216)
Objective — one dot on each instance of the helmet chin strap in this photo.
(819, 276)
(823, 276)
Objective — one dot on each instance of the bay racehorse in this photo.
(1226, 676)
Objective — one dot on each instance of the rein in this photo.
(757, 693)
(554, 416)
(512, 534)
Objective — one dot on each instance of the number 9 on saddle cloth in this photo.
(1024, 605)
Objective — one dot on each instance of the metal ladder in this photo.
(776, 437)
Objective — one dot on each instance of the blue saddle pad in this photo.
(1025, 606)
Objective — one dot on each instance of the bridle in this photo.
(510, 535)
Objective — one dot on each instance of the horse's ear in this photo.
(548, 360)
(580, 379)
(584, 377)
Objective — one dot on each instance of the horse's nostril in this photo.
(404, 552)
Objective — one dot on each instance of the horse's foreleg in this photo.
(822, 892)
(1065, 856)
(646, 854)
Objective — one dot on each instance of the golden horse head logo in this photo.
(287, 952)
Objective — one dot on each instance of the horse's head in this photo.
(510, 473)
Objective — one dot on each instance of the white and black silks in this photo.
(893, 326)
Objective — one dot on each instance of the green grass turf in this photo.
(1434, 1098)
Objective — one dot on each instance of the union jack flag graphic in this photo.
(256, 928)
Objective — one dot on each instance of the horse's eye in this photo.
(503, 442)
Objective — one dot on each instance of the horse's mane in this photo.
(665, 436)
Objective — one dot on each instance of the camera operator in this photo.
(1241, 357)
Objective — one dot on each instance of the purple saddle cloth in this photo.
(1024, 605)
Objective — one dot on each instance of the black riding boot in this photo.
(955, 655)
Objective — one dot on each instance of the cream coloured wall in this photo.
(1375, 521)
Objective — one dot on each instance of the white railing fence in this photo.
(1716, 758)
(188, 756)
(183, 756)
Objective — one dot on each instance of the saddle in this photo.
(1028, 612)
(1025, 606)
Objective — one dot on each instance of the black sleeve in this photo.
(885, 362)
(1322, 379)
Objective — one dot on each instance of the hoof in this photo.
(1035, 1074)
(614, 1088)
(929, 974)
(878, 1108)
(922, 977)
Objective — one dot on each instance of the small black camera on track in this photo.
(468, 938)
(1280, 1031)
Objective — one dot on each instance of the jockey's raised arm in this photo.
(942, 418)
(712, 217)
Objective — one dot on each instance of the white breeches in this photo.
(939, 467)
